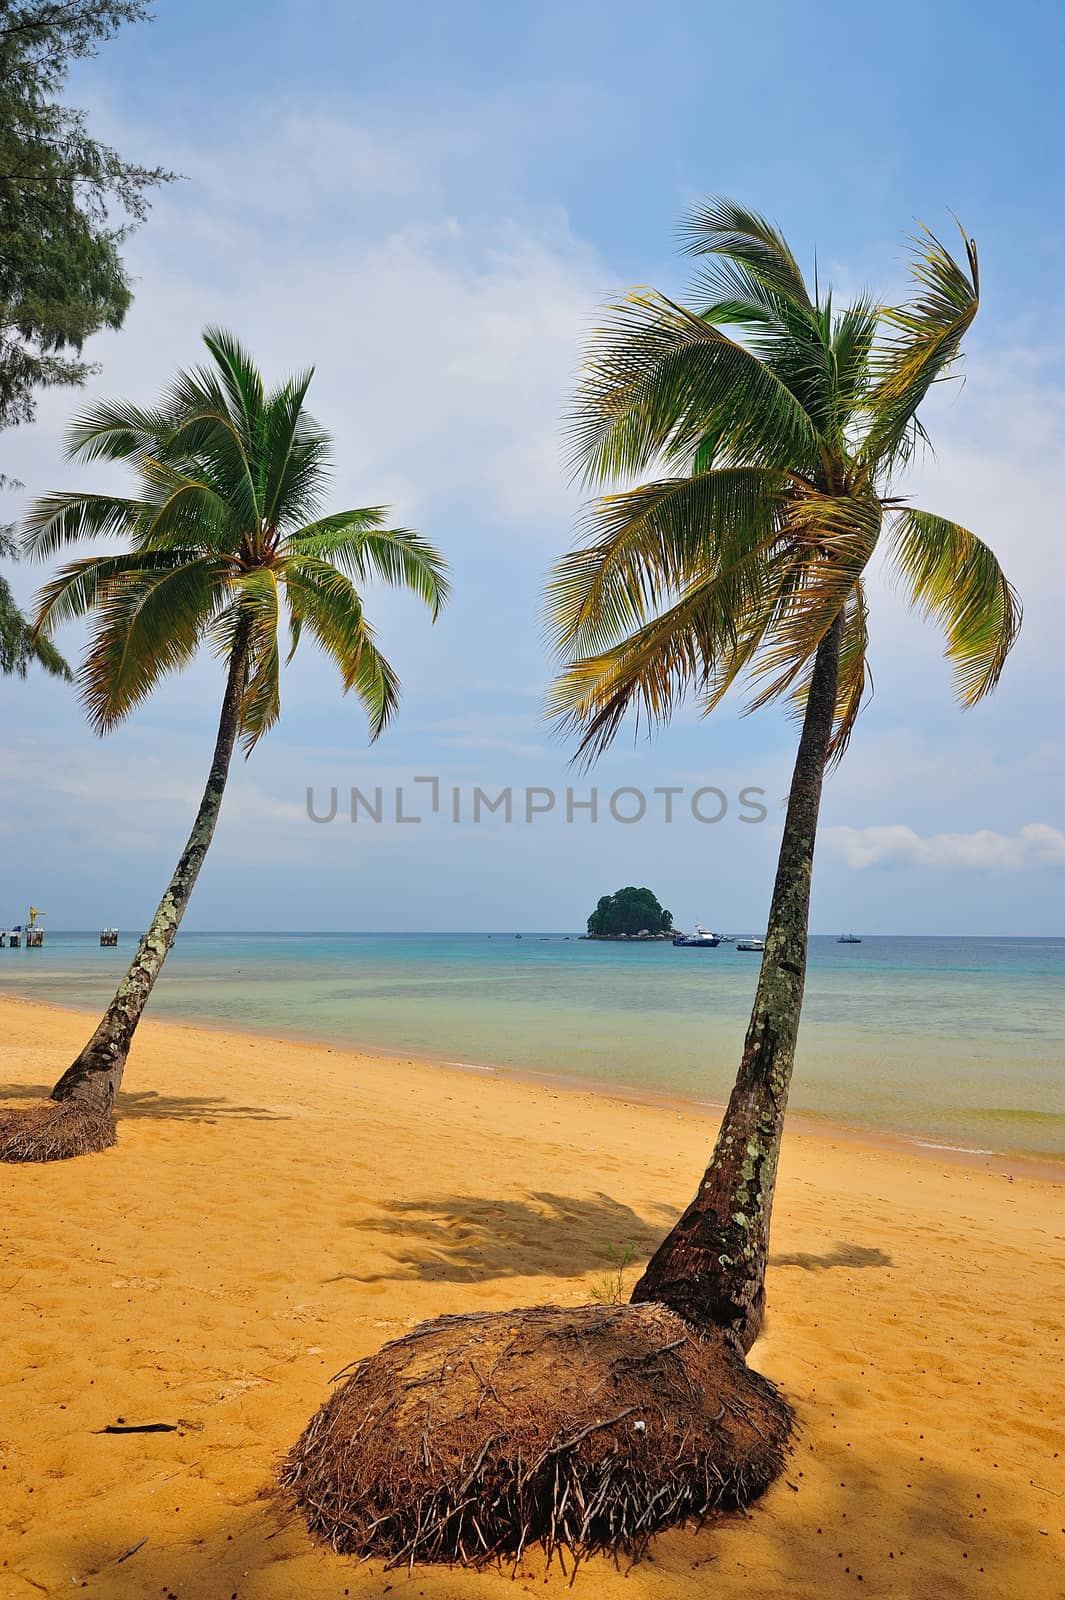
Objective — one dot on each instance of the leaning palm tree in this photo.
(226, 528)
(778, 426)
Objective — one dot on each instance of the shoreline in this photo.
(804, 1124)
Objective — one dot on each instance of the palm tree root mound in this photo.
(54, 1130)
(585, 1429)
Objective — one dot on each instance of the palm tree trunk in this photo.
(95, 1077)
(711, 1267)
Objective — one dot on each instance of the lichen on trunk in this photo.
(711, 1267)
(94, 1078)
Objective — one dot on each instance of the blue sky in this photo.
(430, 205)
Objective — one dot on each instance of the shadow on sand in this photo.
(145, 1103)
(460, 1239)
(843, 1255)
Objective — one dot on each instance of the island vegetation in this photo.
(629, 914)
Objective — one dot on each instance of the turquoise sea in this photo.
(950, 1041)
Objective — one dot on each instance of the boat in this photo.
(848, 938)
(751, 944)
(701, 939)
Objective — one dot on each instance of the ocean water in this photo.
(949, 1041)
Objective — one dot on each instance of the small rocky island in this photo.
(630, 914)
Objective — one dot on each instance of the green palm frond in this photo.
(657, 380)
(149, 624)
(925, 341)
(648, 672)
(55, 520)
(650, 542)
(953, 576)
(855, 679)
(757, 254)
(77, 587)
(836, 536)
(240, 382)
(855, 684)
(257, 599)
(326, 601)
(364, 550)
(113, 430)
(851, 345)
(296, 450)
(375, 684)
(702, 641)
(202, 432)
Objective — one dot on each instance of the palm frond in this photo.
(149, 624)
(203, 436)
(702, 641)
(836, 536)
(55, 520)
(257, 599)
(780, 420)
(77, 587)
(325, 600)
(652, 541)
(854, 680)
(953, 576)
(295, 452)
(925, 337)
(397, 556)
(241, 382)
(851, 345)
(657, 380)
(113, 430)
(758, 254)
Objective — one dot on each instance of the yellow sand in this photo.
(274, 1210)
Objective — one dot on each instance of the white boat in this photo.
(751, 944)
(701, 939)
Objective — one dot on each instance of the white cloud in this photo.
(443, 339)
(1037, 844)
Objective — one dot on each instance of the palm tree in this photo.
(778, 425)
(228, 519)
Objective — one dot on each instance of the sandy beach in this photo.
(274, 1210)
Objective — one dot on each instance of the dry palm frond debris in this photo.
(54, 1130)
